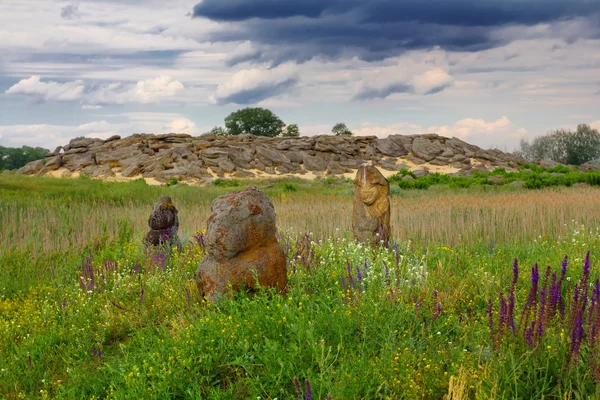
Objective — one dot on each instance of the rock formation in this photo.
(163, 223)
(371, 206)
(243, 252)
(201, 158)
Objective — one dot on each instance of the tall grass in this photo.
(54, 214)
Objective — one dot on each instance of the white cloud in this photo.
(595, 125)
(48, 91)
(144, 92)
(432, 81)
(51, 136)
(251, 86)
(501, 132)
(401, 128)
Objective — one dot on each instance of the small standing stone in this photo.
(163, 223)
(371, 206)
(243, 252)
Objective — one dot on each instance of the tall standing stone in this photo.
(243, 252)
(371, 206)
(163, 223)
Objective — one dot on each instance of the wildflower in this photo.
(29, 360)
(308, 391)
(298, 389)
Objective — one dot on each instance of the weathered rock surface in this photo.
(193, 158)
(371, 206)
(163, 222)
(243, 252)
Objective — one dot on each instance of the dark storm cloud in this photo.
(376, 29)
(257, 94)
(382, 93)
(70, 11)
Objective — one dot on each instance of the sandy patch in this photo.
(309, 175)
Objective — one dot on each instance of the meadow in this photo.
(474, 298)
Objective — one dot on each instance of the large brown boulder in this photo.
(163, 223)
(371, 206)
(243, 252)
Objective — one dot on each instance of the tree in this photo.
(218, 131)
(564, 146)
(291, 130)
(341, 129)
(256, 121)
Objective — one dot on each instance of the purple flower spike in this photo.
(99, 354)
(515, 271)
(359, 276)
(387, 275)
(298, 389)
(343, 281)
(29, 360)
(490, 311)
(141, 295)
(136, 268)
(308, 391)
(564, 265)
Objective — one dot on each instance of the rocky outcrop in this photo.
(371, 206)
(164, 223)
(194, 159)
(243, 252)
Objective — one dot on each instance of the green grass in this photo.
(385, 338)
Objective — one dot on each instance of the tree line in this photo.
(564, 146)
(16, 157)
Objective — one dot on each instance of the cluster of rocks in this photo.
(242, 250)
(201, 158)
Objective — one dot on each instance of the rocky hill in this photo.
(200, 159)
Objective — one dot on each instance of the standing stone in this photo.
(163, 223)
(243, 252)
(371, 206)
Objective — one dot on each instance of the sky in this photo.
(490, 72)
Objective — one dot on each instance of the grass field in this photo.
(86, 312)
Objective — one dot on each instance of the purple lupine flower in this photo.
(93, 351)
(99, 353)
(343, 281)
(528, 335)
(359, 276)
(576, 325)
(564, 265)
(586, 266)
(136, 268)
(438, 311)
(553, 297)
(308, 391)
(387, 275)
(298, 389)
(160, 260)
(350, 278)
(397, 255)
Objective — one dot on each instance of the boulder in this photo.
(426, 149)
(81, 142)
(243, 252)
(164, 223)
(391, 146)
(31, 168)
(371, 206)
(315, 163)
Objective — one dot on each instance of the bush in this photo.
(226, 183)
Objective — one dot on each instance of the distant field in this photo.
(86, 312)
(54, 214)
